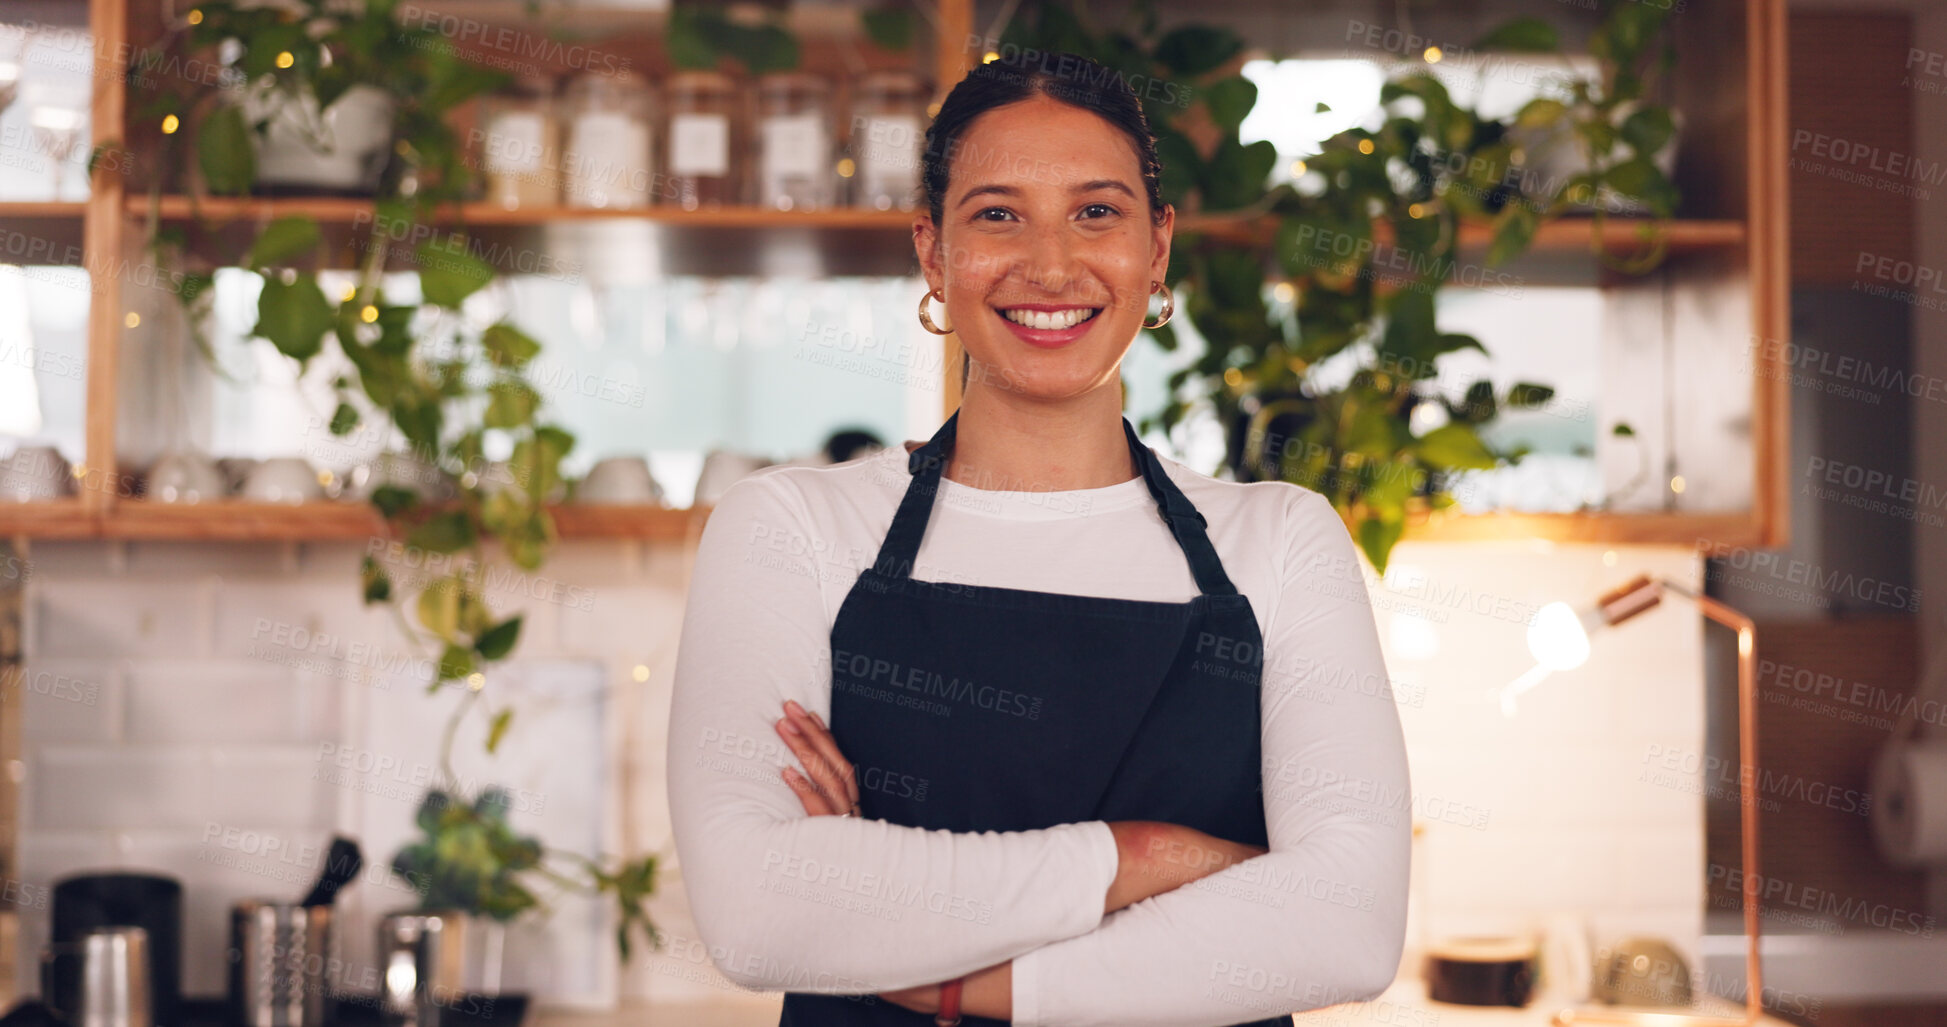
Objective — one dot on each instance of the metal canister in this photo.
(279, 952)
(422, 966)
(114, 987)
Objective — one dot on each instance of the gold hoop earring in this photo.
(1169, 306)
(926, 316)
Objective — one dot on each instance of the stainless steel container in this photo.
(279, 952)
(422, 966)
(115, 988)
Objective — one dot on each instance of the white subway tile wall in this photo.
(216, 712)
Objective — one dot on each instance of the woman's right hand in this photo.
(829, 786)
(1156, 856)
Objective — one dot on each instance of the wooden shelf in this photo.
(334, 210)
(1563, 236)
(240, 520)
(66, 517)
(42, 210)
(1731, 529)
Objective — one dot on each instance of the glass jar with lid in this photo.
(519, 146)
(701, 140)
(794, 165)
(888, 136)
(608, 140)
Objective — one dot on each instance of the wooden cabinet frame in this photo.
(1742, 89)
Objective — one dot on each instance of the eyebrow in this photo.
(995, 189)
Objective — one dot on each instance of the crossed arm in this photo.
(1079, 923)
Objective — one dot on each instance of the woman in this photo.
(1106, 745)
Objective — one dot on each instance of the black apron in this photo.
(978, 708)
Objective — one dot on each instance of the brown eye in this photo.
(1099, 210)
(1003, 211)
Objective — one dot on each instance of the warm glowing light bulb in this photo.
(369, 314)
(1676, 483)
(1432, 55)
(132, 319)
(285, 59)
(989, 57)
(170, 123)
(1365, 146)
(196, 16)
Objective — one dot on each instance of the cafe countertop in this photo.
(1404, 1005)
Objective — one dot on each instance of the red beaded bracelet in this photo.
(949, 1013)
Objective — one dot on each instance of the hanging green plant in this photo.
(1361, 253)
(417, 373)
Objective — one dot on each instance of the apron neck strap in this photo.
(927, 464)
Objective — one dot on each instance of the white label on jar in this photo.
(794, 147)
(515, 143)
(608, 161)
(699, 144)
(889, 146)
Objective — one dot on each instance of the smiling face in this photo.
(1045, 249)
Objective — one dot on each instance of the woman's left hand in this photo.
(828, 786)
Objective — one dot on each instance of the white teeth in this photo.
(1049, 319)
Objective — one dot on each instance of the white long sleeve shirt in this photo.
(841, 905)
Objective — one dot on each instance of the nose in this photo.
(1049, 261)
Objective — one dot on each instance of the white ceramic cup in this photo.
(619, 480)
(184, 477)
(283, 479)
(33, 474)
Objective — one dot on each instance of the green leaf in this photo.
(1182, 166)
(508, 346)
(223, 152)
(1409, 326)
(510, 404)
(439, 608)
(1198, 49)
(1454, 447)
(498, 729)
(1479, 405)
(1622, 430)
(768, 48)
(343, 419)
(281, 240)
(418, 421)
(293, 317)
(393, 500)
(1528, 396)
(448, 532)
(1236, 173)
(889, 28)
(1525, 34)
(1641, 180)
(376, 585)
(1377, 538)
(689, 47)
(1514, 231)
(455, 662)
(1540, 112)
(447, 277)
(1229, 101)
(496, 642)
(1647, 129)
(1236, 278)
